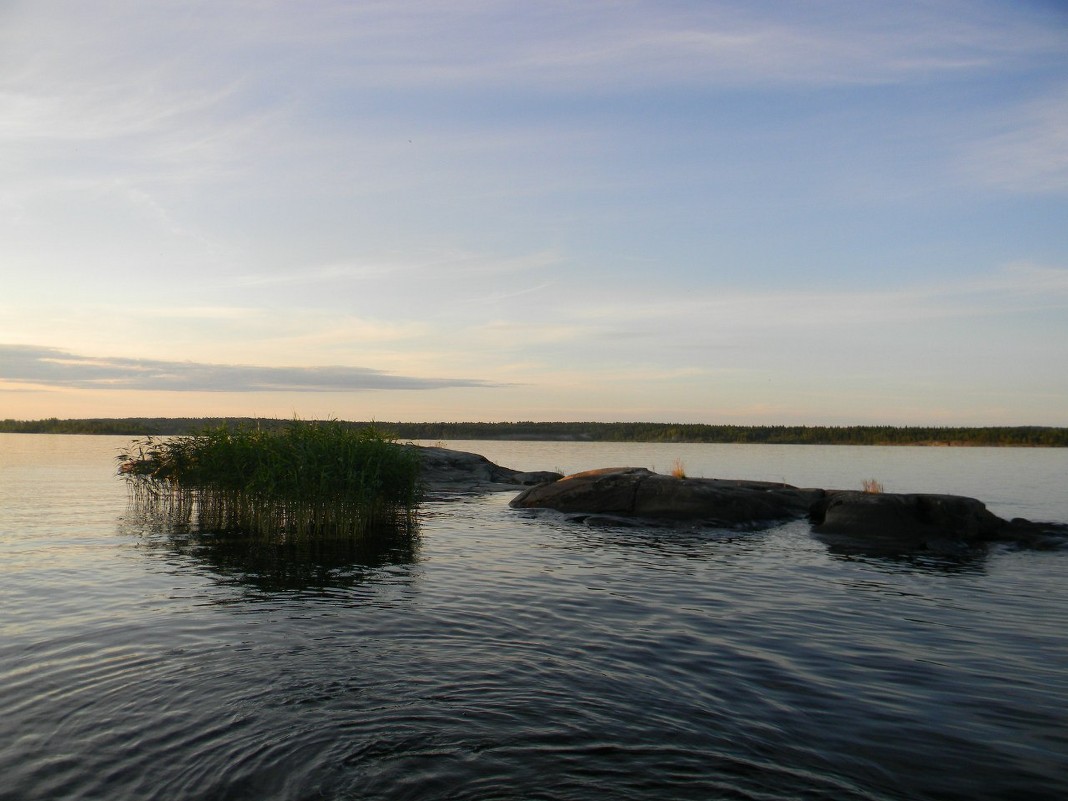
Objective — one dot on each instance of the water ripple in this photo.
(500, 655)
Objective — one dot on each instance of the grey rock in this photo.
(640, 493)
(899, 515)
(847, 521)
(451, 470)
(895, 523)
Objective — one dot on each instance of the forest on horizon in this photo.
(1005, 436)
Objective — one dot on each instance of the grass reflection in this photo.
(269, 565)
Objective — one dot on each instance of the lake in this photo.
(498, 654)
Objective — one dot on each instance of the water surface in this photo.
(499, 654)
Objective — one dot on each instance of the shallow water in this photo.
(499, 654)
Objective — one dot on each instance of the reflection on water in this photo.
(269, 566)
(974, 562)
(953, 559)
(668, 543)
(659, 543)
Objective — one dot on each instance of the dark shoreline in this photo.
(929, 436)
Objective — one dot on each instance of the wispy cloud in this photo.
(413, 43)
(1028, 150)
(639, 45)
(660, 315)
(457, 265)
(32, 364)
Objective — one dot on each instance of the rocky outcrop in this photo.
(891, 522)
(888, 523)
(855, 522)
(443, 469)
(634, 492)
(847, 521)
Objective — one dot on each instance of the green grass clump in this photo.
(307, 479)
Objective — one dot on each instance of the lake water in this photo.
(502, 655)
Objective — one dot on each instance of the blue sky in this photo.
(741, 212)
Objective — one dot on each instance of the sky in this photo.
(754, 212)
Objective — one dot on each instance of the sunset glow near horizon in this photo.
(718, 212)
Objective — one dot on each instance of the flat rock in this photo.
(639, 493)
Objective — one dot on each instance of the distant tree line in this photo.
(134, 426)
(1030, 436)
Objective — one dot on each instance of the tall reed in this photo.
(308, 479)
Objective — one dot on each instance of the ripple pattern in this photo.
(501, 655)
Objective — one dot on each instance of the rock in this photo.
(536, 477)
(609, 490)
(639, 493)
(446, 469)
(727, 502)
(847, 521)
(890, 522)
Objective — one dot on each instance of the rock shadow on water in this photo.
(953, 560)
(648, 537)
(655, 541)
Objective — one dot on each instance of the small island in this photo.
(303, 480)
(315, 479)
